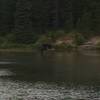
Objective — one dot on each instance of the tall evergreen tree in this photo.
(25, 17)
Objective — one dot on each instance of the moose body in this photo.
(45, 47)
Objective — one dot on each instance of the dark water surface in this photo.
(52, 76)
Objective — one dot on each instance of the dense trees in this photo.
(28, 18)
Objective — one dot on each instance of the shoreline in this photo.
(34, 49)
(16, 50)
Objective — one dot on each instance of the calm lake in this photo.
(52, 76)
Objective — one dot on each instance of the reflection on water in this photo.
(52, 76)
(5, 72)
(2, 62)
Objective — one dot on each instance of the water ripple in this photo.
(10, 90)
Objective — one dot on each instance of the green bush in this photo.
(43, 39)
(55, 34)
(79, 39)
(64, 47)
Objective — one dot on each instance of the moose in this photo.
(45, 46)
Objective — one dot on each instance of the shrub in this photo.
(79, 39)
(64, 47)
(55, 34)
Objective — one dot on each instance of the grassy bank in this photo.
(16, 50)
(14, 47)
(59, 40)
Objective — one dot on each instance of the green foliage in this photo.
(55, 34)
(79, 38)
(35, 21)
(64, 47)
(38, 16)
(15, 46)
(43, 39)
(25, 38)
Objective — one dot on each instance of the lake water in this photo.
(52, 76)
